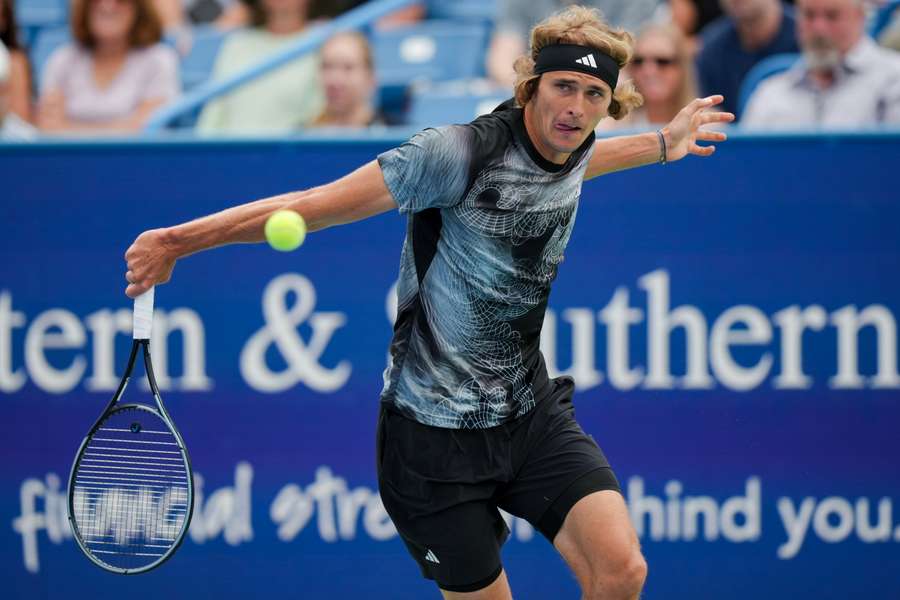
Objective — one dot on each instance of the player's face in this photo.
(564, 111)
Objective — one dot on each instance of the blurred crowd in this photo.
(821, 64)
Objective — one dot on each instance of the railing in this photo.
(318, 35)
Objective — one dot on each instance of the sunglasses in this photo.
(660, 61)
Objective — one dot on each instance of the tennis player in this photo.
(470, 421)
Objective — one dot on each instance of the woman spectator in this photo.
(348, 76)
(280, 101)
(19, 70)
(115, 74)
(663, 72)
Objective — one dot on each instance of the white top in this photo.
(865, 93)
(148, 74)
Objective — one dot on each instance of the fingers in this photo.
(716, 117)
(704, 135)
(702, 150)
(134, 290)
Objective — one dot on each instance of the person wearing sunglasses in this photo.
(663, 72)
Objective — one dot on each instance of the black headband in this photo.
(571, 57)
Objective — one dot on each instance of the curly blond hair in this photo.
(585, 27)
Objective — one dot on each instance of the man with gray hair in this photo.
(844, 80)
(11, 126)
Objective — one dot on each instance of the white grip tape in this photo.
(143, 315)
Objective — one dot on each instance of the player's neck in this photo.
(532, 130)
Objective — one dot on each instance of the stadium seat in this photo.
(882, 18)
(430, 51)
(764, 69)
(197, 66)
(463, 10)
(452, 103)
(34, 15)
(48, 39)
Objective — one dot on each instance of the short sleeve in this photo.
(54, 72)
(163, 81)
(431, 170)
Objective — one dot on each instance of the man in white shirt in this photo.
(11, 126)
(844, 80)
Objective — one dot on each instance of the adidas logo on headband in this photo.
(587, 61)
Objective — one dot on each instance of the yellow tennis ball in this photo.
(285, 230)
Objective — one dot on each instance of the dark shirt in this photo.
(488, 220)
(723, 62)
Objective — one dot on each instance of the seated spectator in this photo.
(11, 126)
(223, 14)
(114, 75)
(277, 102)
(515, 19)
(20, 72)
(348, 76)
(329, 9)
(691, 16)
(845, 80)
(749, 31)
(663, 73)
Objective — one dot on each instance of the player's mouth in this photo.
(567, 128)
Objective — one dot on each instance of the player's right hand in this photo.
(150, 262)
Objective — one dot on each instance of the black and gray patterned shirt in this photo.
(489, 219)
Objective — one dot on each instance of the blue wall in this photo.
(775, 411)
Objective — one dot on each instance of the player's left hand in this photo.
(686, 129)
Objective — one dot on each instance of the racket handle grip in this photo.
(143, 315)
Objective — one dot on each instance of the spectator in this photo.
(11, 126)
(845, 79)
(114, 75)
(663, 72)
(515, 19)
(348, 76)
(691, 16)
(329, 9)
(280, 101)
(20, 72)
(223, 14)
(749, 31)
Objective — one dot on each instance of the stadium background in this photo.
(788, 452)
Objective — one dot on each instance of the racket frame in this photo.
(159, 411)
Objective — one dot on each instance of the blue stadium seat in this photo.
(197, 66)
(463, 10)
(41, 13)
(430, 51)
(772, 65)
(452, 103)
(34, 15)
(882, 18)
(48, 39)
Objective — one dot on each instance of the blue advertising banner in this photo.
(731, 324)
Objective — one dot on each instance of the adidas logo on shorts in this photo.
(430, 557)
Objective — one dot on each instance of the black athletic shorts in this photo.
(442, 487)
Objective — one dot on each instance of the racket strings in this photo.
(131, 492)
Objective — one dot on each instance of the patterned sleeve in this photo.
(430, 170)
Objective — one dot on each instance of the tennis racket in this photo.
(131, 492)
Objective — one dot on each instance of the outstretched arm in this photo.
(354, 197)
(681, 135)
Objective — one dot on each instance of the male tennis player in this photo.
(470, 421)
